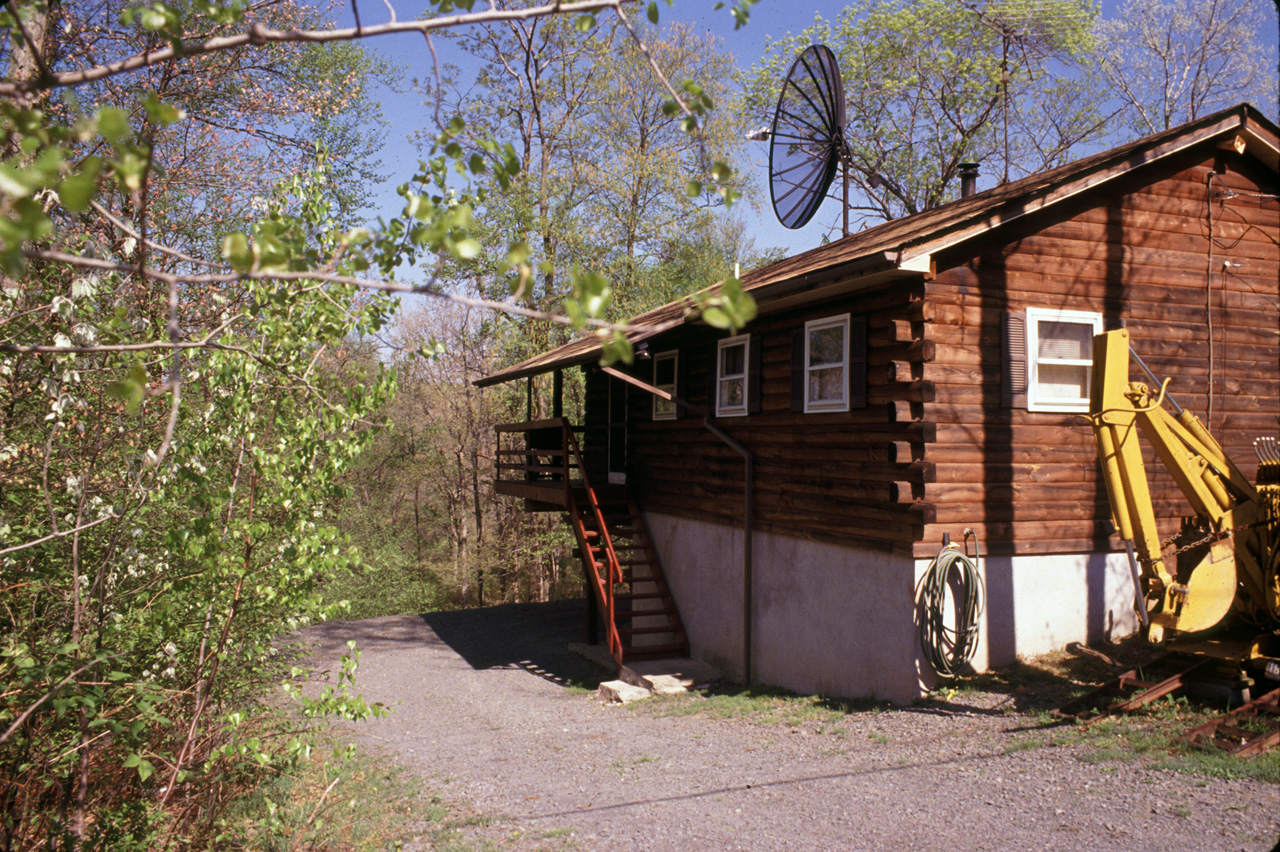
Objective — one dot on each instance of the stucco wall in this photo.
(841, 621)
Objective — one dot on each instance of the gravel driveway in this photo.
(481, 712)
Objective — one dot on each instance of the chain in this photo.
(1211, 537)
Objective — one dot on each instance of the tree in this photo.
(174, 423)
(1172, 61)
(609, 157)
(927, 85)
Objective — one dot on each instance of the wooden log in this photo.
(905, 451)
(896, 332)
(921, 391)
(916, 351)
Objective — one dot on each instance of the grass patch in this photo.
(763, 705)
(1155, 735)
(344, 799)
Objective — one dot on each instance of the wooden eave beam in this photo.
(821, 284)
(1262, 145)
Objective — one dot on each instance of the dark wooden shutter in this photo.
(797, 370)
(858, 362)
(682, 383)
(713, 374)
(755, 381)
(1013, 362)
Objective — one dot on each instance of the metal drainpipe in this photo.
(748, 505)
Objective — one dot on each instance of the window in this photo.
(665, 365)
(731, 376)
(826, 364)
(1059, 352)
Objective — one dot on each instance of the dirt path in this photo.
(481, 713)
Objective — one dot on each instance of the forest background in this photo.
(217, 421)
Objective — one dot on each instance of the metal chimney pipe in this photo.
(968, 179)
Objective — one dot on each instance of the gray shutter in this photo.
(797, 370)
(1013, 363)
(858, 362)
(755, 381)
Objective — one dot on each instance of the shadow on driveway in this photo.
(533, 636)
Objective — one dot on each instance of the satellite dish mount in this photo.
(807, 139)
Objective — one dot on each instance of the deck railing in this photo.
(544, 467)
(534, 454)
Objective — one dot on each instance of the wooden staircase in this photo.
(623, 567)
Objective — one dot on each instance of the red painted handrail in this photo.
(570, 455)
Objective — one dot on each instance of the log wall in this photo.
(845, 477)
(1142, 256)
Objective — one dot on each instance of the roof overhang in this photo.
(904, 249)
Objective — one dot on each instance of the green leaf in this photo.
(467, 249)
(113, 124)
(78, 190)
(716, 317)
(162, 113)
(653, 13)
(585, 23)
(236, 251)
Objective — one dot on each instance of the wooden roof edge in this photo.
(1111, 164)
(884, 247)
(582, 350)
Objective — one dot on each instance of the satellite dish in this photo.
(807, 138)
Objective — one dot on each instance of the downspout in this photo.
(748, 504)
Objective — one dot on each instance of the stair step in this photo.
(643, 613)
(640, 596)
(645, 631)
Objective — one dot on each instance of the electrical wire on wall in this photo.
(949, 649)
(1208, 295)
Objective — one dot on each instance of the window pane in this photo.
(826, 345)
(664, 372)
(1062, 382)
(731, 393)
(664, 406)
(1067, 340)
(732, 359)
(826, 385)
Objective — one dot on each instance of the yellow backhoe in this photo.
(1222, 569)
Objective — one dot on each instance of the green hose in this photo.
(949, 649)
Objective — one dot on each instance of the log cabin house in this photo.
(921, 378)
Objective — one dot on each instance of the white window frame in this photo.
(743, 340)
(671, 413)
(842, 404)
(1035, 316)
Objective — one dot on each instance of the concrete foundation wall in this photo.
(841, 621)
(1037, 604)
(827, 619)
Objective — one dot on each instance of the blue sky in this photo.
(769, 19)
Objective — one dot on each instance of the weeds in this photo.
(336, 798)
(763, 705)
(1156, 735)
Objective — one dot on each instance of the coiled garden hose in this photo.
(948, 649)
